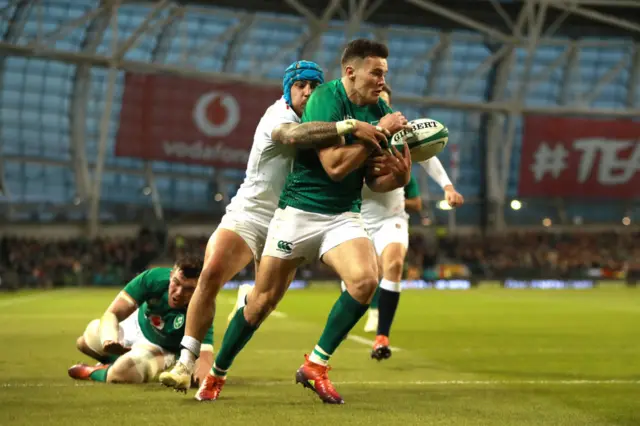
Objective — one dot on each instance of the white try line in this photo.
(426, 383)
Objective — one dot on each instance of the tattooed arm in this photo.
(315, 134)
(319, 134)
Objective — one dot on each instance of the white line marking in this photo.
(576, 382)
(45, 385)
(368, 342)
(352, 337)
(358, 350)
(497, 382)
(18, 300)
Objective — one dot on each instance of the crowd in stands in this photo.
(543, 255)
(47, 263)
(41, 263)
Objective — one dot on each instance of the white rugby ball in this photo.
(426, 138)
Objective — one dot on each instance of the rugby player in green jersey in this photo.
(319, 218)
(139, 334)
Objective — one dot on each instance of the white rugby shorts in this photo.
(252, 229)
(389, 231)
(295, 233)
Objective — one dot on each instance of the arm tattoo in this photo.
(312, 134)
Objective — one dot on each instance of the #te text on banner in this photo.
(573, 157)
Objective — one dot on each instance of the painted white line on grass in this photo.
(434, 383)
(352, 337)
(494, 382)
(357, 350)
(38, 317)
(46, 385)
(368, 342)
(24, 299)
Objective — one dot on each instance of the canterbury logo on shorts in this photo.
(284, 246)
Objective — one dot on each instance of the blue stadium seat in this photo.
(36, 98)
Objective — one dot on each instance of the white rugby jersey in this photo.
(269, 164)
(377, 206)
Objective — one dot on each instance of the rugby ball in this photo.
(426, 138)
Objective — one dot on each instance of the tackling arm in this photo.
(434, 168)
(316, 134)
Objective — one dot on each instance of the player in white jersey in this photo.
(387, 224)
(241, 235)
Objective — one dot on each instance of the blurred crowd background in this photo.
(46, 263)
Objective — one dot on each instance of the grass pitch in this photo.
(478, 357)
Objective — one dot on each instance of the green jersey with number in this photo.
(160, 323)
(308, 186)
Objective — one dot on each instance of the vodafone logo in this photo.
(216, 114)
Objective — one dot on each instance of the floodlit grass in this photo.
(477, 357)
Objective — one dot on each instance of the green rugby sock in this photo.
(235, 338)
(344, 315)
(376, 299)
(100, 375)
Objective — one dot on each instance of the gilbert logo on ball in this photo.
(426, 138)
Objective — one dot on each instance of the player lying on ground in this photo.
(139, 334)
(387, 223)
(241, 235)
(318, 217)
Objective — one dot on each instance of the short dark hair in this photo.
(387, 88)
(362, 48)
(190, 265)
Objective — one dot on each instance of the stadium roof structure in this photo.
(495, 18)
(510, 33)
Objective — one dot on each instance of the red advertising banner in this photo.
(573, 157)
(190, 121)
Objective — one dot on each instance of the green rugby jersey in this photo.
(308, 186)
(160, 323)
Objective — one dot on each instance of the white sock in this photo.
(190, 351)
(390, 285)
(319, 356)
(187, 358)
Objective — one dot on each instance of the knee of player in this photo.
(210, 281)
(265, 301)
(393, 269)
(126, 370)
(124, 377)
(81, 344)
(365, 285)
